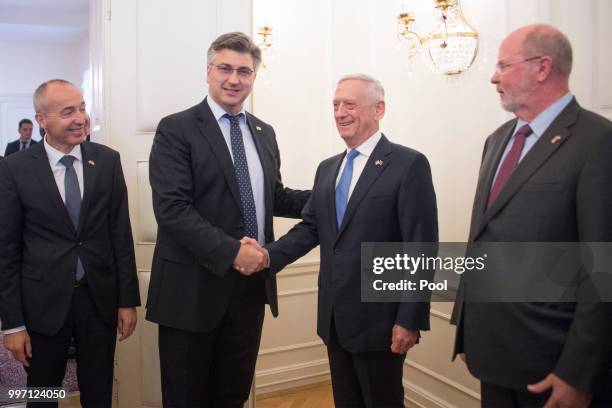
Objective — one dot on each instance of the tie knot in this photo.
(68, 161)
(524, 131)
(352, 154)
(234, 119)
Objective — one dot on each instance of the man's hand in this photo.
(126, 322)
(251, 257)
(402, 339)
(563, 395)
(19, 345)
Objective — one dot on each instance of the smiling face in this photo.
(63, 116)
(356, 111)
(230, 90)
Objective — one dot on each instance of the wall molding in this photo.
(432, 399)
(297, 292)
(440, 315)
(444, 380)
(291, 347)
(285, 377)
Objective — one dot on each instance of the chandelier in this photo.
(451, 47)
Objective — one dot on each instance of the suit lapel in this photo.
(88, 154)
(376, 164)
(489, 166)
(552, 139)
(48, 184)
(329, 185)
(267, 164)
(211, 131)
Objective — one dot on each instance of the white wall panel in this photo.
(171, 45)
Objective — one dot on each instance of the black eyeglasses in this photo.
(225, 69)
(501, 66)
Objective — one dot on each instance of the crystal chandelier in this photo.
(451, 47)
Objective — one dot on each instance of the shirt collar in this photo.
(548, 115)
(367, 147)
(55, 155)
(218, 111)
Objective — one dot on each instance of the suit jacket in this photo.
(14, 146)
(39, 244)
(392, 202)
(199, 215)
(560, 192)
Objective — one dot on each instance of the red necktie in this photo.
(510, 163)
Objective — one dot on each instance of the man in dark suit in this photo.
(376, 191)
(215, 175)
(545, 177)
(25, 138)
(67, 266)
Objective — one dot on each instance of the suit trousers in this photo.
(371, 379)
(95, 351)
(216, 368)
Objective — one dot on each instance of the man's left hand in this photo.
(126, 322)
(402, 339)
(563, 395)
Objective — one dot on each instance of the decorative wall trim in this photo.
(299, 268)
(433, 400)
(291, 347)
(287, 378)
(444, 380)
(440, 315)
(297, 292)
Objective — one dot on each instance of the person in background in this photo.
(25, 138)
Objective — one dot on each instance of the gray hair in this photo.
(373, 87)
(41, 91)
(547, 40)
(234, 41)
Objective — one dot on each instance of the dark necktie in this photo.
(510, 162)
(241, 170)
(23, 145)
(72, 193)
(344, 184)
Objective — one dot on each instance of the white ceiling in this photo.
(47, 21)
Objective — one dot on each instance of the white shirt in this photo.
(255, 169)
(59, 170)
(59, 173)
(365, 150)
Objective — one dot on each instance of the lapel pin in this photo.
(555, 139)
(91, 162)
(258, 128)
(378, 163)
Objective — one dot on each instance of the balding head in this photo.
(545, 40)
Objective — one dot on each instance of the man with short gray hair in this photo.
(375, 191)
(546, 176)
(215, 175)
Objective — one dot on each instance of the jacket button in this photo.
(80, 243)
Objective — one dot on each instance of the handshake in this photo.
(251, 257)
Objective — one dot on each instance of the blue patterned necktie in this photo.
(73, 202)
(342, 189)
(241, 169)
